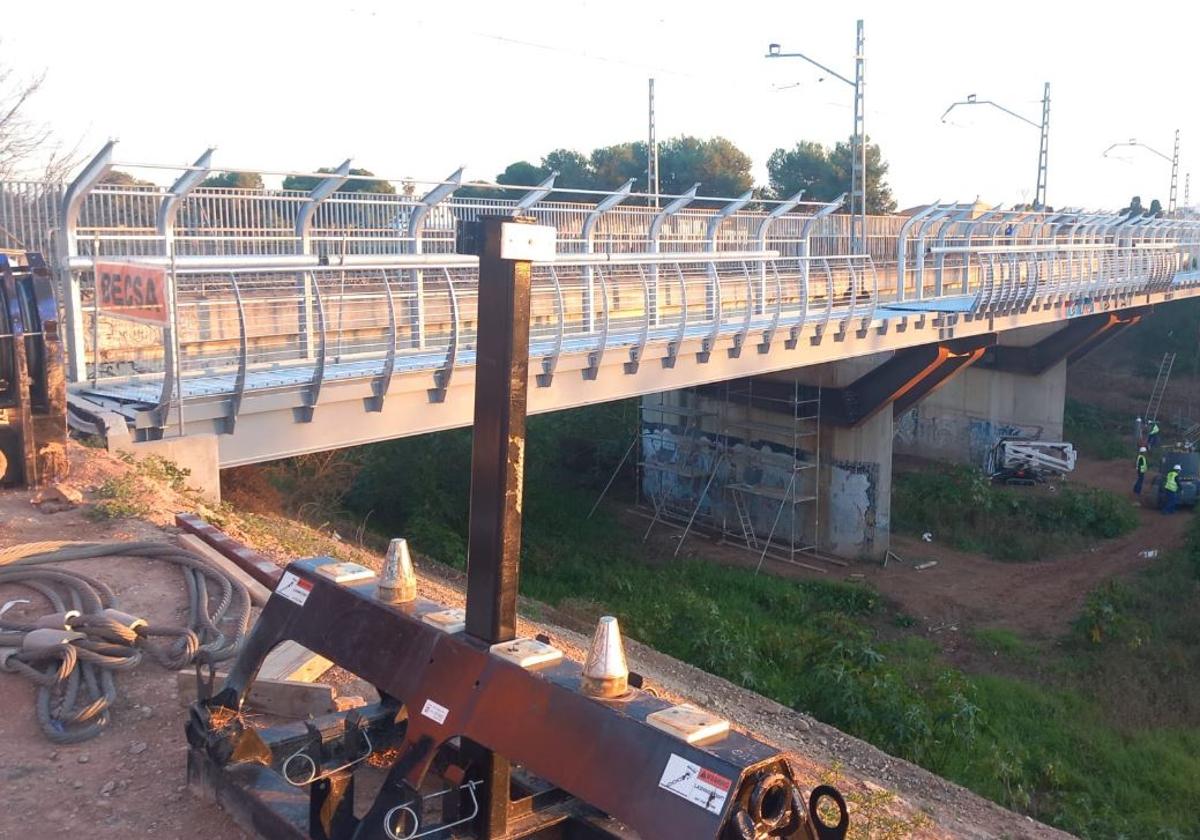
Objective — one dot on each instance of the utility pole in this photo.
(858, 140)
(652, 152)
(1187, 190)
(858, 178)
(1173, 159)
(1039, 201)
(1174, 175)
(1039, 193)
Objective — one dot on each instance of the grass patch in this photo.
(1096, 432)
(127, 495)
(1003, 642)
(965, 510)
(1081, 755)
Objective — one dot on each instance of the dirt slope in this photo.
(129, 782)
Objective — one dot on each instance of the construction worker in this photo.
(1152, 440)
(1141, 471)
(1170, 488)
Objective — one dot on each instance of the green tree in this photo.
(117, 178)
(720, 167)
(614, 165)
(235, 180)
(366, 184)
(824, 173)
(1156, 209)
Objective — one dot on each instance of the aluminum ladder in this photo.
(1160, 387)
(743, 515)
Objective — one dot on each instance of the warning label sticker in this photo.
(696, 784)
(436, 712)
(295, 589)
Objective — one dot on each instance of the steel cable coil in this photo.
(72, 654)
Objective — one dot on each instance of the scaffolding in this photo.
(740, 462)
(773, 444)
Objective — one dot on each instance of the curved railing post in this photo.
(805, 274)
(164, 224)
(586, 234)
(441, 377)
(383, 382)
(922, 232)
(760, 239)
(416, 228)
(550, 362)
(962, 215)
(717, 218)
(652, 238)
(239, 383)
(902, 245)
(66, 246)
(303, 231)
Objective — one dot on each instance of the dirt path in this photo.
(1036, 599)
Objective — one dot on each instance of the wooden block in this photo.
(286, 698)
(293, 663)
(259, 594)
(689, 723)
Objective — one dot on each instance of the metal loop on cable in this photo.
(415, 832)
(314, 775)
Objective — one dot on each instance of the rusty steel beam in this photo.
(1074, 341)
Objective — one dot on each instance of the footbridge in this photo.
(304, 320)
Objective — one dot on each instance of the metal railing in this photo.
(287, 289)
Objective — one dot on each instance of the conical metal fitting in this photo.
(606, 674)
(398, 581)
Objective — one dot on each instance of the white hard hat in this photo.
(1177, 467)
(1141, 449)
(1139, 419)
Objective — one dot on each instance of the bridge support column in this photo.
(997, 397)
(854, 482)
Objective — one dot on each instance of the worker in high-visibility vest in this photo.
(1152, 440)
(1141, 470)
(1170, 488)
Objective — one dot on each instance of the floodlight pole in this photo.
(1039, 193)
(858, 166)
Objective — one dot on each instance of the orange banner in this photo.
(133, 292)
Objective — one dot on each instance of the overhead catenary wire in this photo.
(90, 638)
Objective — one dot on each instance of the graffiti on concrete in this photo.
(984, 435)
(697, 473)
(854, 516)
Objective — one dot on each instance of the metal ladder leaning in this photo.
(1160, 387)
(743, 515)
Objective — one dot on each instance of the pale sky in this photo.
(420, 88)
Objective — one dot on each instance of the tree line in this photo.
(719, 166)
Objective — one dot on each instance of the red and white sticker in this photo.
(436, 712)
(696, 784)
(295, 589)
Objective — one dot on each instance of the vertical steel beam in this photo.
(498, 449)
(497, 471)
(304, 279)
(67, 246)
